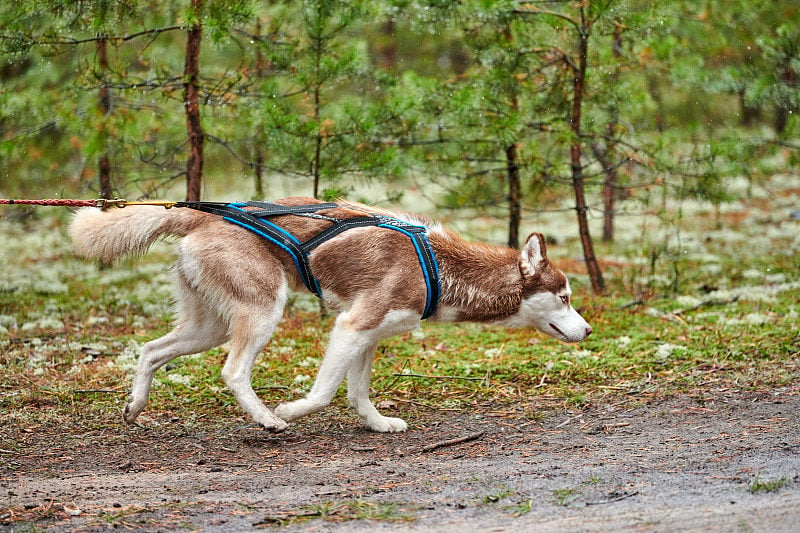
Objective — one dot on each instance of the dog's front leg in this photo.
(350, 350)
(358, 395)
(344, 346)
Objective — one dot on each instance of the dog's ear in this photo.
(533, 256)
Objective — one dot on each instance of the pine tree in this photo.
(323, 115)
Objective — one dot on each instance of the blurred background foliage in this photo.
(475, 99)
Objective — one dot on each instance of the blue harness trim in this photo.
(254, 220)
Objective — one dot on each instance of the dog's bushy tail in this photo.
(115, 233)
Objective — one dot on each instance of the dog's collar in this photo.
(255, 221)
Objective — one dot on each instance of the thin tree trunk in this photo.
(104, 106)
(514, 204)
(191, 89)
(750, 116)
(317, 145)
(259, 174)
(595, 274)
(784, 110)
(387, 48)
(319, 45)
(261, 63)
(605, 156)
(609, 190)
(655, 94)
(512, 166)
(261, 68)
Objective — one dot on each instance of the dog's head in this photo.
(546, 303)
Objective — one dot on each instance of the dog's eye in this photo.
(565, 299)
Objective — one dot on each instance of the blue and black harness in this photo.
(255, 220)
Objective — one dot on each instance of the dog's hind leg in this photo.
(199, 329)
(358, 396)
(350, 345)
(251, 331)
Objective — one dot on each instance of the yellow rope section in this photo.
(120, 202)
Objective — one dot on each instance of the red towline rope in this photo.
(52, 202)
(99, 202)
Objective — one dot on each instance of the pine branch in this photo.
(70, 41)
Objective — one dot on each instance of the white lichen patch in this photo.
(665, 350)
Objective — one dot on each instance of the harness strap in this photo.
(340, 226)
(268, 209)
(253, 220)
(427, 260)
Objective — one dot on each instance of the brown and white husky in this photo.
(231, 285)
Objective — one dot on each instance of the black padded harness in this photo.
(255, 221)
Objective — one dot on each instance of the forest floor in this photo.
(728, 463)
(677, 414)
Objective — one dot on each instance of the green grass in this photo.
(773, 485)
(717, 320)
(341, 511)
(564, 497)
(498, 495)
(521, 508)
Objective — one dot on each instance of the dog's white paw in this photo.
(131, 411)
(274, 426)
(386, 424)
(268, 420)
(293, 410)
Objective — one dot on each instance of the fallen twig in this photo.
(568, 420)
(465, 378)
(612, 500)
(675, 316)
(608, 427)
(420, 404)
(706, 303)
(634, 303)
(452, 442)
(282, 517)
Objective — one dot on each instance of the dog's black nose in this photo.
(588, 330)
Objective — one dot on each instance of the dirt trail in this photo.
(728, 464)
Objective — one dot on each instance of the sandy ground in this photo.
(677, 464)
